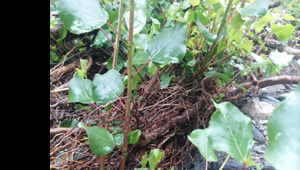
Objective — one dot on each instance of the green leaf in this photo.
(140, 16)
(209, 2)
(166, 48)
(119, 139)
(283, 150)
(80, 107)
(211, 37)
(165, 80)
(62, 33)
(221, 46)
(281, 59)
(144, 160)
(133, 136)
(247, 45)
(100, 140)
(120, 63)
(262, 22)
(228, 71)
(70, 123)
(219, 75)
(237, 21)
(140, 57)
(140, 169)
(202, 18)
(298, 62)
(200, 139)
(258, 8)
(154, 158)
(230, 131)
(194, 2)
(242, 87)
(101, 39)
(53, 56)
(289, 17)
(284, 32)
(107, 87)
(80, 90)
(81, 16)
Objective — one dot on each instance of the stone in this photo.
(257, 135)
(260, 151)
(258, 110)
(268, 168)
(259, 147)
(283, 96)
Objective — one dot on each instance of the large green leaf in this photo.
(107, 87)
(100, 140)
(154, 157)
(283, 150)
(140, 16)
(169, 45)
(230, 131)
(200, 139)
(259, 7)
(284, 32)
(102, 90)
(211, 37)
(281, 59)
(80, 90)
(81, 16)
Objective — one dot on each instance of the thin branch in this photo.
(112, 44)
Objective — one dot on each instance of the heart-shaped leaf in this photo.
(169, 45)
(102, 90)
(200, 139)
(230, 131)
(283, 150)
(100, 140)
(81, 16)
(107, 87)
(80, 90)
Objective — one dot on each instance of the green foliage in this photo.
(229, 131)
(103, 89)
(200, 139)
(81, 16)
(258, 8)
(165, 48)
(100, 140)
(133, 136)
(219, 75)
(69, 123)
(283, 150)
(165, 80)
(284, 32)
(154, 158)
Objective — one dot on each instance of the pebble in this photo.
(257, 136)
(260, 151)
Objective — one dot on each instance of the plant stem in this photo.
(128, 103)
(116, 49)
(112, 44)
(141, 67)
(224, 162)
(124, 41)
